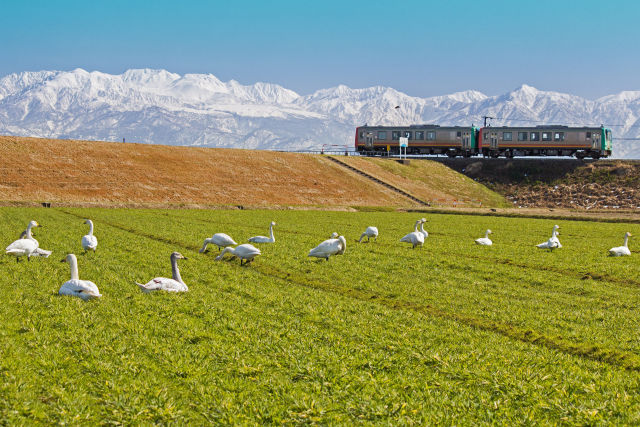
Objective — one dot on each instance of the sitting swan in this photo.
(221, 240)
(89, 241)
(75, 287)
(485, 241)
(422, 230)
(39, 251)
(369, 233)
(245, 252)
(176, 284)
(621, 250)
(264, 239)
(551, 244)
(333, 246)
(24, 246)
(415, 237)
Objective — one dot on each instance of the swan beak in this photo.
(184, 257)
(63, 260)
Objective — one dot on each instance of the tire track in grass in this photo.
(611, 356)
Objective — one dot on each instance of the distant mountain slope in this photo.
(156, 106)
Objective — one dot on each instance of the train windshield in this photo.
(608, 134)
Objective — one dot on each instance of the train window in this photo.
(395, 135)
(588, 135)
(522, 136)
(546, 136)
(419, 135)
(382, 134)
(608, 135)
(558, 136)
(431, 135)
(459, 134)
(361, 134)
(506, 136)
(535, 136)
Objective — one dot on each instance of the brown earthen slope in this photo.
(34, 169)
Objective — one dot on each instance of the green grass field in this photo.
(451, 332)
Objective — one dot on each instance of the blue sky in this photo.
(423, 48)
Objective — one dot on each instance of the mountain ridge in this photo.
(157, 106)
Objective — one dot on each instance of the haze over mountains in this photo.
(156, 106)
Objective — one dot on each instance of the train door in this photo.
(494, 141)
(466, 142)
(368, 140)
(595, 141)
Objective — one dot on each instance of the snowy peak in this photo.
(157, 106)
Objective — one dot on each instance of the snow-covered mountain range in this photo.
(156, 106)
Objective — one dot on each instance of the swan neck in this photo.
(271, 233)
(90, 228)
(175, 271)
(415, 228)
(626, 240)
(73, 264)
(486, 235)
(29, 231)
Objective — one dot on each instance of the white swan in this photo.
(621, 250)
(422, 230)
(334, 246)
(369, 233)
(176, 284)
(245, 252)
(221, 240)
(415, 237)
(264, 239)
(485, 241)
(39, 251)
(89, 241)
(555, 234)
(24, 247)
(75, 287)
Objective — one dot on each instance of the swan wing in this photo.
(222, 239)
(22, 246)
(326, 248)
(84, 289)
(41, 253)
(260, 239)
(247, 251)
(619, 251)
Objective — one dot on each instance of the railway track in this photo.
(379, 181)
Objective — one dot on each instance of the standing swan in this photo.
(621, 250)
(422, 230)
(75, 287)
(369, 233)
(554, 235)
(264, 239)
(89, 241)
(24, 247)
(333, 246)
(245, 252)
(176, 284)
(39, 251)
(415, 237)
(485, 241)
(221, 240)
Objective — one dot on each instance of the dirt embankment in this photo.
(116, 174)
(554, 183)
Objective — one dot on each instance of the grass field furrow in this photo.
(382, 334)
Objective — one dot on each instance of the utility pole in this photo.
(485, 119)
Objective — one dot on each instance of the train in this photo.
(489, 141)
